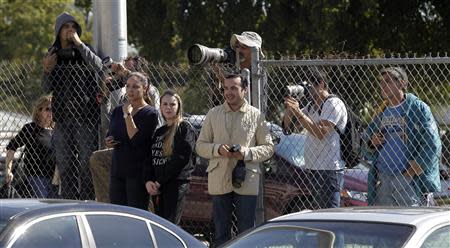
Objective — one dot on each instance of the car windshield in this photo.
(363, 234)
(344, 234)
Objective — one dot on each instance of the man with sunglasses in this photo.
(404, 145)
(322, 150)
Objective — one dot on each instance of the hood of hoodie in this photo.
(60, 21)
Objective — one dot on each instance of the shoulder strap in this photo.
(326, 99)
(321, 106)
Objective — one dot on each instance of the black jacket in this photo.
(74, 81)
(180, 164)
(38, 155)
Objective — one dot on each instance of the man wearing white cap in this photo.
(242, 44)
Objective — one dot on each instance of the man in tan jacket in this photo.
(234, 122)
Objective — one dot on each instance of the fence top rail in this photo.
(365, 61)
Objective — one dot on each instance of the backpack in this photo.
(350, 138)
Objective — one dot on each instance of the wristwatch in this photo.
(125, 115)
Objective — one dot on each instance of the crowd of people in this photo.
(149, 146)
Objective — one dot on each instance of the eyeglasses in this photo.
(47, 109)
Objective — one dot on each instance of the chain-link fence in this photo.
(81, 108)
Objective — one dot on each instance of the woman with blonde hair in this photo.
(168, 169)
(39, 162)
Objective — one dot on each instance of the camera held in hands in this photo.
(107, 63)
(238, 174)
(297, 91)
(64, 54)
(235, 148)
(201, 55)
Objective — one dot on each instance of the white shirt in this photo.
(325, 154)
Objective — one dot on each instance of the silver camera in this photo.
(107, 63)
(297, 91)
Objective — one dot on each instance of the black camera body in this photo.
(235, 148)
(202, 55)
(65, 54)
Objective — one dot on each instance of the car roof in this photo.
(17, 208)
(399, 215)
(19, 211)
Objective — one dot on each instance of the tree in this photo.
(27, 27)
(164, 30)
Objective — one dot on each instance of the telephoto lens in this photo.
(296, 91)
(200, 55)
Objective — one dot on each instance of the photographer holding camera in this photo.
(238, 55)
(70, 71)
(234, 131)
(322, 150)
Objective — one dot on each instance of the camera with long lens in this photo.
(297, 91)
(238, 174)
(202, 55)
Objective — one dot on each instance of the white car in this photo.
(353, 227)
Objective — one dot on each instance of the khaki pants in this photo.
(100, 165)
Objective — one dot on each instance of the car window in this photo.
(54, 232)
(438, 238)
(346, 233)
(364, 234)
(119, 231)
(286, 236)
(165, 238)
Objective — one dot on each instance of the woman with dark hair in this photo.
(167, 172)
(39, 162)
(131, 129)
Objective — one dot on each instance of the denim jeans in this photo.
(326, 186)
(395, 190)
(42, 187)
(73, 143)
(245, 206)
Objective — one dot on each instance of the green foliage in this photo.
(27, 27)
(164, 30)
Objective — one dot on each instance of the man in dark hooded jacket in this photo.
(70, 74)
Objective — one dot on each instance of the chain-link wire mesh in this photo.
(357, 83)
(83, 103)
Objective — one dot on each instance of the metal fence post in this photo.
(256, 102)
